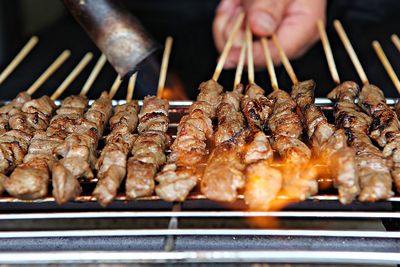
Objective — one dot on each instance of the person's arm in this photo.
(293, 21)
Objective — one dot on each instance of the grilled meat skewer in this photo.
(111, 164)
(374, 174)
(181, 173)
(385, 127)
(148, 151)
(11, 108)
(223, 175)
(30, 179)
(329, 144)
(299, 179)
(78, 151)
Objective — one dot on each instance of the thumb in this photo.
(265, 16)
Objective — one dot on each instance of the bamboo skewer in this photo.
(93, 75)
(115, 86)
(285, 60)
(328, 52)
(350, 50)
(250, 59)
(49, 71)
(386, 64)
(228, 46)
(240, 66)
(396, 41)
(164, 66)
(71, 77)
(270, 64)
(131, 87)
(18, 58)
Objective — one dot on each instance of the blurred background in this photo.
(193, 56)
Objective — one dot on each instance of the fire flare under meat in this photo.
(111, 165)
(182, 171)
(374, 174)
(328, 143)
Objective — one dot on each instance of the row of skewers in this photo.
(40, 143)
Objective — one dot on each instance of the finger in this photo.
(265, 15)
(298, 31)
(223, 15)
(231, 24)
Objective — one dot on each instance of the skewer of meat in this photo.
(329, 145)
(16, 104)
(112, 163)
(30, 179)
(374, 174)
(389, 130)
(77, 153)
(299, 178)
(148, 151)
(182, 171)
(223, 175)
(14, 142)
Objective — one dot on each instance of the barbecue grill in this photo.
(318, 230)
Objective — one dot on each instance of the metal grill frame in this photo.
(315, 208)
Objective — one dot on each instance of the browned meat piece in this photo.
(257, 149)
(181, 173)
(30, 179)
(189, 147)
(175, 183)
(256, 107)
(65, 184)
(223, 176)
(13, 147)
(100, 112)
(73, 105)
(329, 145)
(384, 120)
(16, 103)
(154, 115)
(397, 109)
(125, 116)
(262, 186)
(230, 118)
(3, 123)
(374, 175)
(43, 106)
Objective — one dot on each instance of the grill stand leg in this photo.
(169, 244)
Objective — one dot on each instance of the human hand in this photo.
(293, 21)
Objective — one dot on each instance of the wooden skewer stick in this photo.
(71, 77)
(18, 58)
(131, 87)
(228, 46)
(115, 86)
(386, 64)
(350, 50)
(328, 52)
(270, 64)
(396, 41)
(285, 60)
(48, 72)
(240, 66)
(250, 59)
(164, 66)
(93, 75)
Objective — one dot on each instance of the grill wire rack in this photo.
(149, 230)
